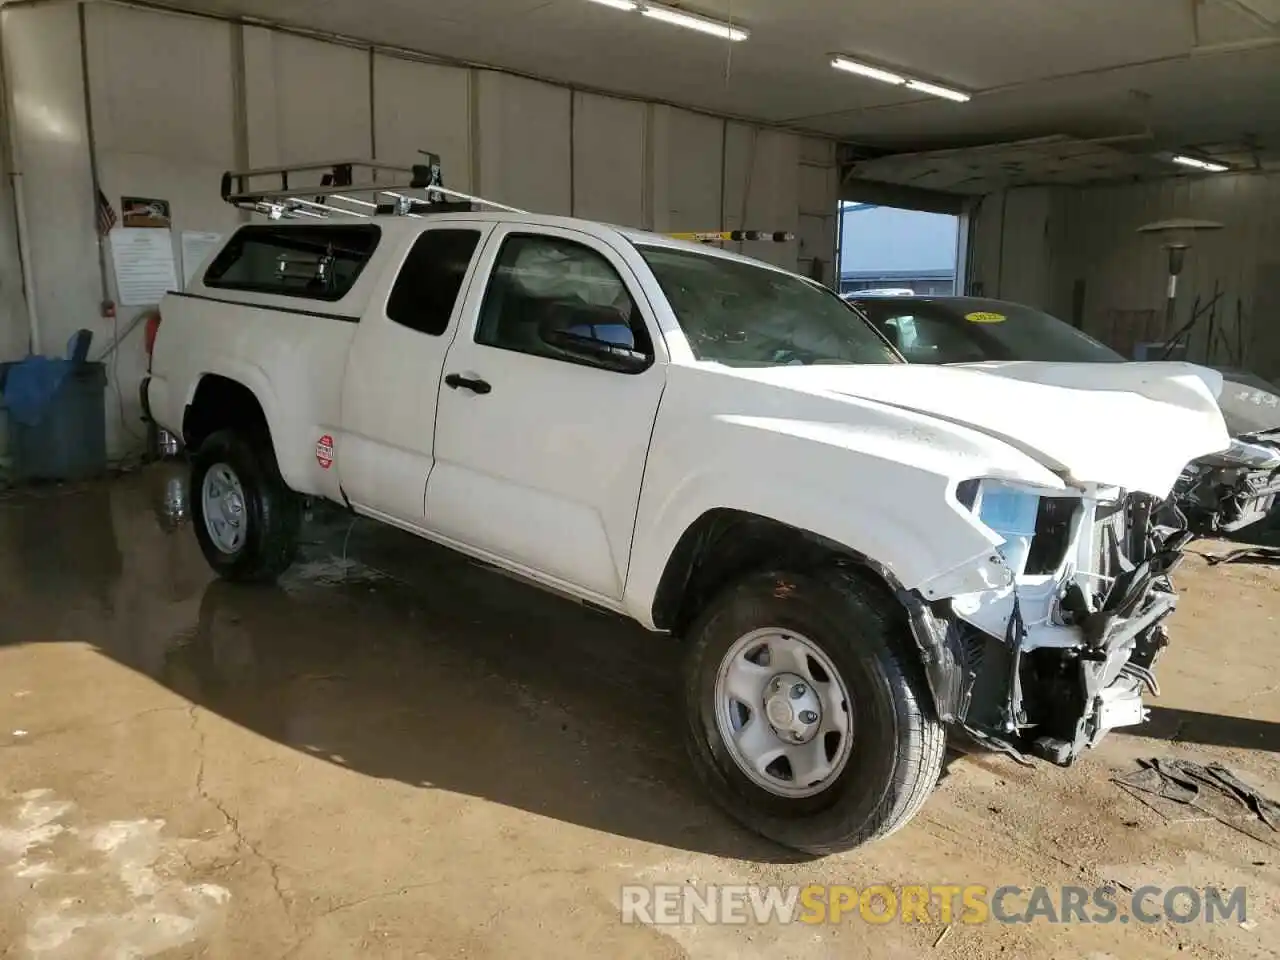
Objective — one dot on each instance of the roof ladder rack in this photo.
(351, 188)
(370, 188)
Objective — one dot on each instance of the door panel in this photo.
(393, 372)
(545, 468)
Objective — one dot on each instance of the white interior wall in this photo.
(1012, 253)
(305, 99)
(49, 140)
(762, 188)
(687, 161)
(423, 106)
(609, 159)
(176, 100)
(51, 149)
(523, 129)
(162, 128)
(986, 234)
(819, 182)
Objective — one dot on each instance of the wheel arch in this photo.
(240, 395)
(723, 545)
(220, 402)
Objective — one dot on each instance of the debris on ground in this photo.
(1212, 789)
(1260, 555)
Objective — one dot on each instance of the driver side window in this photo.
(544, 288)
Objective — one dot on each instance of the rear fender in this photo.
(294, 448)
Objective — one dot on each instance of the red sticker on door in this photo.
(324, 451)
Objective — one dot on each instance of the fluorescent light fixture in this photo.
(619, 4)
(1199, 164)
(863, 70)
(693, 21)
(848, 65)
(946, 93)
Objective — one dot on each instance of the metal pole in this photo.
(838, 270)
(1177, 255)
(14, 158)
(24, 257)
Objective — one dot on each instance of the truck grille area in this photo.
(1055, 699)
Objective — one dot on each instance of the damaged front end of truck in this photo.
(1062, 653)
(1037, 583)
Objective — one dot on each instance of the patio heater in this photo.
(1176, 236)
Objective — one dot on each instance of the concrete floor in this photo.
(402, 755)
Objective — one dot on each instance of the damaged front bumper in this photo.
(1065, 652)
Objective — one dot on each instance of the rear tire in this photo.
(246, 520)
(881, 778)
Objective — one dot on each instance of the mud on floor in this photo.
(397, 754)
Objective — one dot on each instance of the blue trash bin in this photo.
(68, 440)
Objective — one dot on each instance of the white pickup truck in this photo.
(854, 551)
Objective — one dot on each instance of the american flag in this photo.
(106, 215)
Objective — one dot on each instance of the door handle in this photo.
(458, 382)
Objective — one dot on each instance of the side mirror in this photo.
(585, 342)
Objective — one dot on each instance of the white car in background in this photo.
(880, 292)
(855, 551)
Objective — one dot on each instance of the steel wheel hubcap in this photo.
(783, 712)
(222, 498)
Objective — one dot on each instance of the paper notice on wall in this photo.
(144, 264)
(197, 245)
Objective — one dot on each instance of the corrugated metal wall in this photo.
(1015, 241)
(1059, 247)
(175, 100)
(1126, 272)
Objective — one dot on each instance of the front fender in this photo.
(888, 495)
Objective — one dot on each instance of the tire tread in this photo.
(281, 509)
(921, 737)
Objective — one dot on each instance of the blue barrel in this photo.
(69, 440)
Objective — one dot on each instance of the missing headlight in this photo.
(1052, 538)
(967, 492)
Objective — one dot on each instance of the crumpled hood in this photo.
(1131, 425)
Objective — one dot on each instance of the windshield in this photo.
(747, 316)
(967, 330)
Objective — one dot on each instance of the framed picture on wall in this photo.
(145, 212)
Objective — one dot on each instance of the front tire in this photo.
(806, 719)
(246, 520)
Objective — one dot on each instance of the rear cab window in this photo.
(314, 263)
(427, 287)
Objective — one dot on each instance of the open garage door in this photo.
(886, 250)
